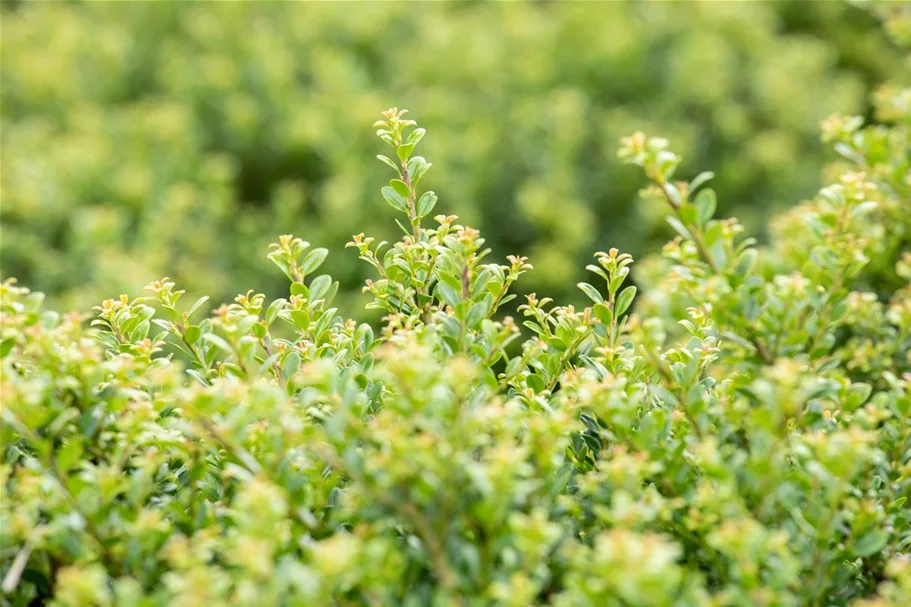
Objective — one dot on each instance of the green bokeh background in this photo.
(167, 138)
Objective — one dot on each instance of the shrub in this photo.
(742, 439)
(152, 138)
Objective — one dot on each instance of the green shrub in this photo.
(742, 439)
(151, 138)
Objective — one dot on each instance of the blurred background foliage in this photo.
(165, 138)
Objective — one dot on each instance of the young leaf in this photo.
(301, 319)
(426, 204)
(192, 334)
(417, 166)
(624, 300)
(313, 260)
(388, 161)
(416, 136)
(400, 187)
(679, 227)
(404, 151)
(705, 206)
(395, 200)
(591, 292)
(700, 179)
(217, 341)
(603, 313)
(195, 307)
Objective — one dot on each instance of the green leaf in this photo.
(6, 345)
(600, 272)
(291, 364)
(604, 314)
(299, 289)
(746, 262)
(535, 382)
(447, 294)
(700, 179)
(405, 231)
(313, 260)
(218, 342)
(395, 199)
(870, 543)
(301, 319)
(679, 228)
(713, 233)
(415, 137)
(706, 202)
(863, 209)
(192, 334)
(591, 292)
(417, 166)
(557, 343)
(624, 300)
(404, 151)
(274, 308)
(195, 307)
(319, 286)
(849, 153)
(426, 204)
(400, 187)
(688, 214)
(389, 161)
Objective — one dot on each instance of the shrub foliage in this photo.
(151, 138)
(742, 439)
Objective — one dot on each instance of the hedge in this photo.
(743, 438)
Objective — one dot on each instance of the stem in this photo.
(11, 580)
(665, 373)
(248, 461)
(409, 514)
(199, 359)
(696, 233)
(48, 463)
(761, 350)
(277, 369)
(503, 292)
(567, 355)
(412, 212)
(611, 329)
(826, 312)
(694, 230)
(427, 286)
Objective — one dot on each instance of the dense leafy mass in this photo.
(742, 439)
(150, 138)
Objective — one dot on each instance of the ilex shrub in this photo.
(742, 438)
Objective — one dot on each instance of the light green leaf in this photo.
(624, 300)
(591, 292)
(313, 260)
(395, 199)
